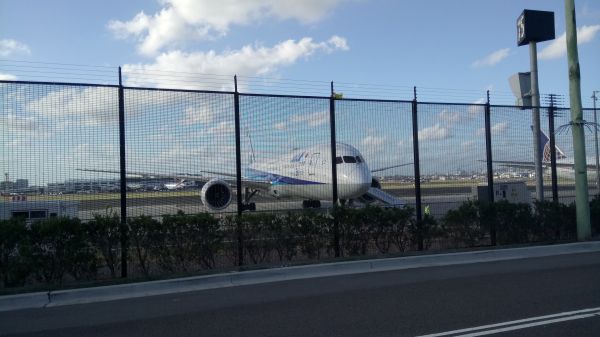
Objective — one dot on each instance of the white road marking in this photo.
(516, 325)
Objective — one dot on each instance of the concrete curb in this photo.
(195, 283)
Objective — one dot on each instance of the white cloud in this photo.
(249, 60)
(7, 77)
(186, 20)
(492, 59)
(372, 145)
(558, 47)
(373, 141)
(198, 114)
(497, 129)
(468, 143)
(312, 119)
(222, 129)
(78, 106)
(477, 109)
(10, 47)
(201, 108)
(435, 132)
(449, 117)
(19, 123)
(280, 126)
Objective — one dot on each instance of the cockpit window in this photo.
(358, 159)
(338, 160)
(349, 159)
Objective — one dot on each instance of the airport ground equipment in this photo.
(38, 210)
(512, 191)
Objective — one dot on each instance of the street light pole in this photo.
(596, 143)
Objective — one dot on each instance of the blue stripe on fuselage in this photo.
(277, 179)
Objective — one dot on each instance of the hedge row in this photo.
(59, 249)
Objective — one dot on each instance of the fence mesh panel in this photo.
(173, 140)
(50, 133)
(285, 146)
(382, 133)
(452, 154)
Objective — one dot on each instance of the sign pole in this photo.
(535, 101)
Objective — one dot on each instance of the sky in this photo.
(465, 45)
(452, 51)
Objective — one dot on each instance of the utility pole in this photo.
(596, 143)
(577, 123)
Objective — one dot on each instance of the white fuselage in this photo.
(568, 173)
(307, 173)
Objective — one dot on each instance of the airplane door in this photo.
(312, 163)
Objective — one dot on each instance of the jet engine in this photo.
(216, 194)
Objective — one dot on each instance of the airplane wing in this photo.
(148, 175)
(253, 183)
(390, 167)
(531, 165)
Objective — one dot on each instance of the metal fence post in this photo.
(334, 187)
(551, 110)
(238, 173)
(417, 167)
(123, 178)
(490, 169)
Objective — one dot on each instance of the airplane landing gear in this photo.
(311, 204)
(247, 205)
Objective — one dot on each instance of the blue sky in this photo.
(451, 50)
(427, 43)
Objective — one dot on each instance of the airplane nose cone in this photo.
(353, 182)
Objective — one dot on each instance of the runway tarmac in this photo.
(439, 200)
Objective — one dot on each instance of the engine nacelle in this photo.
(216, 194)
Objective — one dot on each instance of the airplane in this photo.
(179, 185)
(303, 173)
(565, 166)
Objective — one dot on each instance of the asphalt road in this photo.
(399, 303)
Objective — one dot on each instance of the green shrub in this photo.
(514, 222)
(555, 221)
(104, 233)
(394, 224)
(15, 251)
(206, 237)
(426, 230)
(259, 240)
(312, 232)
(361, 228)
(285, 238)
(188, 240)
(60, 246)
(595, 214)
(463, 225)
(144, 234)
(354, 225)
